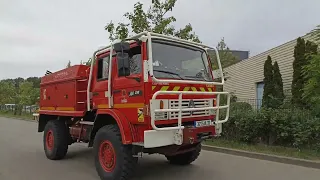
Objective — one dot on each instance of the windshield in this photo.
(176, 61)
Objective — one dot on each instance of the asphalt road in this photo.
(22, 158)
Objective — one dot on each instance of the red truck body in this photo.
(61, 91)
(134, 100)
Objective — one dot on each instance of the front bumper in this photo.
(188, 135)
(193, 135)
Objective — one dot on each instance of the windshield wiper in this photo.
(168, 72)
(196, 77)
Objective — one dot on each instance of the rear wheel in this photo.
(185, 158)
(113, 160)
(55, 139)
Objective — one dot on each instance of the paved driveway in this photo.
(22, 158)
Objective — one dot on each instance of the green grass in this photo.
(11, 115)
(274, 150)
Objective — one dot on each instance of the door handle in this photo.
(95, 94)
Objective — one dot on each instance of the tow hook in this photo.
(191, 139)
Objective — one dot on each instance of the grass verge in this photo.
(26, 116)
(273, 150)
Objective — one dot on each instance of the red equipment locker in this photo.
(65, 90)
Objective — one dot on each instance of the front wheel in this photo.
(185, 158)
(113, 160)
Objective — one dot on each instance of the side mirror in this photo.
(121, 47)
(123, 64)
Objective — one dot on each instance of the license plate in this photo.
(202, 123)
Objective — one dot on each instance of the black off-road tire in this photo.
(61, 137)
(124, 162)
(185, 158)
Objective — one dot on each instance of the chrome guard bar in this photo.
(180, 110)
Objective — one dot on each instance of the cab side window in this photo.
(103, 68)
(135, 60)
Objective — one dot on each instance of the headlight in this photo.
(212, 103)
(160, 104)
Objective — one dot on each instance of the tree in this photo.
(226, 56)
(25, 91)
(35, 81)
(298, 79)
(311, 90)
(6, 92)
(316, 33)
(268, 91)
(69, 64)
(154, 20)
(311, 75)
(311, 49)
(278, 86)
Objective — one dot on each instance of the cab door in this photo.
(128, 90)
(100, 82)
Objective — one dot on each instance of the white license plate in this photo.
(202, 123)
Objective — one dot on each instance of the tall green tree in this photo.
(316, 33)
(155, 19)
(69, 64)
(225, 55)
(311, 90)
(278, 86)
(311, 73)
(6, 92)
(268, 91)
(35, 81)
(26, 91)
(298, 80)
(19, 91)
(311, 49)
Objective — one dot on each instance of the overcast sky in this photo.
(40, 35)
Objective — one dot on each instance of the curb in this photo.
(261, 156)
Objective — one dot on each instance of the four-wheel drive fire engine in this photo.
(147, 94)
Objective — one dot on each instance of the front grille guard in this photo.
(217, 107)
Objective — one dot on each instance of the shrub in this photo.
(286, 127)
(241, 119)
(240, 106)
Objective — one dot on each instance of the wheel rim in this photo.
(49, 140)
(107, 156)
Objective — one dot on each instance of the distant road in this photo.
(22, 158)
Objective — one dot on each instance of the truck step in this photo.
(86, 122)
(82, 80)
(80, 102)
(138, 144)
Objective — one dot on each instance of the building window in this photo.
(259, 94)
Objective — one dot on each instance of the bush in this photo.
(239, 126)
(240, 106)
(286, 127)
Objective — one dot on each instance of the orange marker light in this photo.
(161, 104)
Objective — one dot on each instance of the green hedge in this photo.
(285, 127)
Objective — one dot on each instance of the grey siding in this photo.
(244, 75)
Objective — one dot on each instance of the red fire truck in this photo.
(150, 93)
